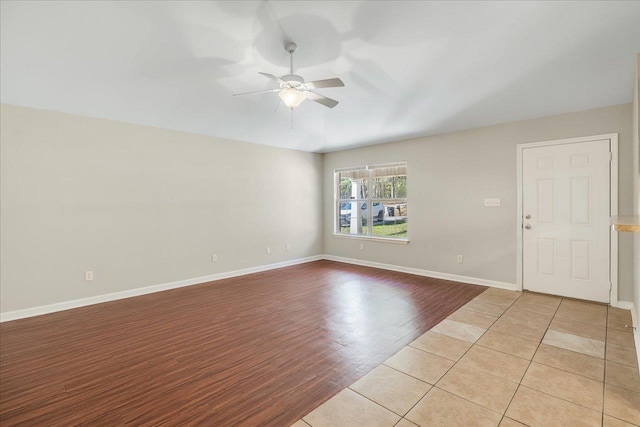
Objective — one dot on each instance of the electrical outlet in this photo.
(362, 246)
(288, 247)
(268, 250)
(214, 258)
(492, 203)
(88, 276)
(460, 259)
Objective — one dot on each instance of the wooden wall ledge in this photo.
(626, 223)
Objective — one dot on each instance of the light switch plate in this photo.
(491, 203)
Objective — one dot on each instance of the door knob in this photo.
(528, 226)
(528, 216)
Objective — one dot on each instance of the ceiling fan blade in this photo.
(320, 99)
(257, 92)
(319, 84)
(272, 77)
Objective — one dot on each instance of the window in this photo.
(371, 201)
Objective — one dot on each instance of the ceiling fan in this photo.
(293, 89)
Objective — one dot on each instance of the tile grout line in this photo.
(475, 343)
(380, 405)
(529, 365)
(555, 397)
(469, 349)
(432, 385)
(503, 352)
(618, 419)
(602, 413)
(504, 414)
(383, 363)
(415, 378)
(454, 362)
(531, 361)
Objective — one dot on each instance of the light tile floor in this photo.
(505, 358)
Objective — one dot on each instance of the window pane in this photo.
(353, 218)
(394, 208)
(352, 187)
(344, 187)
(394, 224)
(400, 185)
(390, 187)
(383, 188)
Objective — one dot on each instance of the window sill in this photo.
(372, 238)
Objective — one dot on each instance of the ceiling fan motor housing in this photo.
(293, 80)
(290, 47)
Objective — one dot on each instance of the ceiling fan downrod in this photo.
(291, 47)
(291, 81)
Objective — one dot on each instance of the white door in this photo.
(566, 233)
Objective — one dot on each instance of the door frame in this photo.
(613, 207)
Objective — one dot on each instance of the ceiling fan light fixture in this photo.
(292, 97)
(293, 89)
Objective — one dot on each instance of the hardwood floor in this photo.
(262, 349)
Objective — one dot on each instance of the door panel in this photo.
(566, 238)
(546, 200)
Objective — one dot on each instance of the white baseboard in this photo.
(628, 305)
(427, 273)
(67, 305)
(625, 305)
(636, 330)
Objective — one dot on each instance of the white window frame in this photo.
(369, 199)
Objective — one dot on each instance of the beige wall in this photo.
(449, 177)
(142, 206)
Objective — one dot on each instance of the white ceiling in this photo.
(410, 68)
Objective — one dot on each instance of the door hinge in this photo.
(610, 156)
